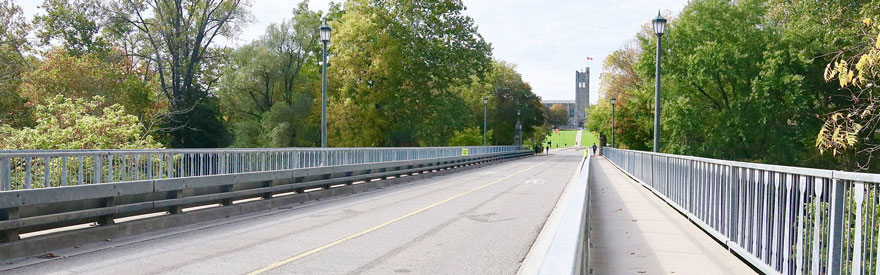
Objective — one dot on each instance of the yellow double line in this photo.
(374, 228)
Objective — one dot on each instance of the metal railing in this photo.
(54, 168)
(783, 220)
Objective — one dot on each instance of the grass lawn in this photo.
(565, 138)
(588, 139)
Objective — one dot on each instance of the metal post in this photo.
(612, 126)
(324, 100)
(657, 100)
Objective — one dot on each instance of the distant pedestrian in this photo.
(549, 145)
(594, 148)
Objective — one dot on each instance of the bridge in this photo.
(450, 210)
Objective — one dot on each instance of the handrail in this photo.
(31, 169)
(781, 219)
(563, 245)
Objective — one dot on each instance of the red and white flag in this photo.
(589, 58)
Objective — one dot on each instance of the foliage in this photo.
(86, 76)
(63, 123)
(13, 63)
(842, 129)
(76, 24)
(558, 115)
(270, 85)
(472, 136)
(738, 82)
(393, 67)
(176, 38)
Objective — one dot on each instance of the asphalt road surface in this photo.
(481, 221)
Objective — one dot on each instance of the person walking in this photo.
(594, 149)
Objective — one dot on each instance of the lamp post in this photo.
(659, 28)
(325, 38)
(485, 113)
(612, 122)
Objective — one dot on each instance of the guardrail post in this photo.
(7, 215)
(107, 219)
(835, 244)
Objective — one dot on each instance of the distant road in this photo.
(481, 221)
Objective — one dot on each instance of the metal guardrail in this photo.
(783, 220)
(564, 244)
(35, 169)
(212, 182)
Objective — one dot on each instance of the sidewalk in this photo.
(635, 232)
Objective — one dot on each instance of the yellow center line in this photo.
(374, 228)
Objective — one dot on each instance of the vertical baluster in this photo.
(96, 173)
(47, 173)
(775, 225)
(6, 173)
(799, 262)
(27, 173)
(79, 171)
(816, 223)
(786, 255)
(859, 196)
(63, 170)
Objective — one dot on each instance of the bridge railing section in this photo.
(784, 220)
(563, 246)
(54, 168)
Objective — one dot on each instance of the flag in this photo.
(589, 58)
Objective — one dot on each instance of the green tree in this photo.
(269, 86)
(176, 38)
(13, 63)
(558, 115)
(63, 123)
(86, 76)
(76, 24)
(393, 67)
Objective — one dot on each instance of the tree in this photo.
(87, 76)
(269, 86)
(393, 67)
(13, 63)
(63, 123)
(76, 24)
(858, 74)
(177, 38)
(558, 115)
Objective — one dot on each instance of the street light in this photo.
(485, 113)
(659, 28)
(612, 122)
(325, 38)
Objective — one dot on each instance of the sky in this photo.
(547, 40)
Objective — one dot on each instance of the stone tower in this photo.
(582, 95)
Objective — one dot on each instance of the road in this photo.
(481, 221)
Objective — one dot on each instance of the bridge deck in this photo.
(480, 221)
(633, 232)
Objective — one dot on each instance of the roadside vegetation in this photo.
(162, 74)
(780, 82)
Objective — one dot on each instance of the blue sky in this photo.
(547, 40)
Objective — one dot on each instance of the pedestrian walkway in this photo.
(635, 232)
(577, 139)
